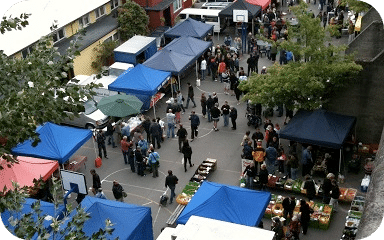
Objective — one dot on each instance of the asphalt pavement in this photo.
(223, 145)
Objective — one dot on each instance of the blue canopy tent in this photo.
(56, 142)
(130, 221)
(320, 128)
(189, 28)
(141, 81)
(188, 46)
(227, 203)
(48, 209)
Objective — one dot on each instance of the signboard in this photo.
(240, 15)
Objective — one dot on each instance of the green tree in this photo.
(104, 54)
(132, 20)
(309, 82)
(356, 5)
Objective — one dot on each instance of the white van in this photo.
(215, 5)
(205, 15)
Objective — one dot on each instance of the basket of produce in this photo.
(296, 187)
(343, 191)
(198, 178)
(277, 210)
(355, 214)
(268, 211)
(183, 199)
(324, 222)
(280, 183)
(327, 209)
(350, 194)
(272, 179)
(352, 222)
(288, 184)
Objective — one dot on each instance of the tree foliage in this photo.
(356, 5)
(307, 83)
(132, 20)
(104, 53)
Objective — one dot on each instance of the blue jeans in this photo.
(172, 194)
(110, 139)
(209, 115)
(226, 119)
(125, 155)
(190, 98)
(294, 172)
(271, 166)
(171, 127)
(202, 74)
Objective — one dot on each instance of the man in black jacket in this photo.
(289, 205)
(171, 181)
(233, 116)
(182, 134)
(100, 139)
(155, 131)
(190, 96)
(96, 183)
(210, 103)
(118, 190)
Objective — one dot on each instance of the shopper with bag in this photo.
(250, 173)
(153, 159)
(187, 151)
(182, 134)
(171, 181)
(96, 183)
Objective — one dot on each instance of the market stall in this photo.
(56, 142)
(143, 82)
(227, 203)
(25, 171)
(189, 28)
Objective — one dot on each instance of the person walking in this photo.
(155, 132)
(100, 139)
(203, 68)
(214, 68)
(270, 159)
(117, 191)
(225, 111)
(250, 173)
(305, 215)
(187, 151)
(335, 194)
(233, 116)
(309, 186)
(171, 181)
(190, 96)
(180, 101)
(221, 69)
(140, 161)
(182, 134)
(289, 205)
(258, 155)
(215, 112)
(210, 104)
(171, 123)
(125, 146)
(177, 111)
(154, 158)
(203, 101)
(96, 183)
(195, 122)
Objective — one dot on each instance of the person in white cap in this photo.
(264, 70)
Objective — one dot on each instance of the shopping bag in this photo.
(182, 161)
(125, 194)
(198, 82)
(319, 7)
(197, 132)
(98, 162)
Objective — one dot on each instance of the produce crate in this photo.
(288, 185)
(355, 214)
(268, 211)
(277, 210)
(296, 187)
(314, 223)
(272, 181)
(324, 222)
(350, 194)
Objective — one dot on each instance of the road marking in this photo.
(129, 185)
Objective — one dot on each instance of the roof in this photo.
(56, 142)
(188, 46)
(93, 33)
(130, 221)
(198, 228)
(160, 6)
(135, 44)
(253, 10)
(227, 203)
(43, 14)
(263, 3)
(26, 171)
(320, 128)
(189, 28)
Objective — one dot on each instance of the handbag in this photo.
(182, 160)
(125, 194)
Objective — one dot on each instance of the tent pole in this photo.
(253, 27)
(178, 78)
(153, 105)
(197, 71)
(172, 87)
(340, 162)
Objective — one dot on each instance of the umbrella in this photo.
(120, 105)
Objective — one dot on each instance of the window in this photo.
(99, 12)
(211, 19)
(177, 4)
(114, 37)
(58, 35)
(114, 4)
(84, 21)
(195, 17)
(25, 52)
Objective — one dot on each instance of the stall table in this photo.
(76, 163)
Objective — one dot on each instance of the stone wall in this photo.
(371, 16)
(374, 204)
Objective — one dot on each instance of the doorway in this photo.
(167, 16)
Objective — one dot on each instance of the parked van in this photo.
(215, 5)
(205, 15)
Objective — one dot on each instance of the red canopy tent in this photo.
(25, 171)
(262, 3)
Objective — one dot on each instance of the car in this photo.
(215, 5)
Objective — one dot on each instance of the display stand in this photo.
(76, 163)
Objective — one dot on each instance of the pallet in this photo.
(172, 219)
